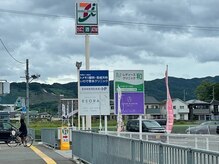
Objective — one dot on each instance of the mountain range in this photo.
(45, 97)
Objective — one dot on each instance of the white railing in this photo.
(198, 141)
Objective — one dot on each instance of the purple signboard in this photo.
(131, 103)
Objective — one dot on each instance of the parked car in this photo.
(5, 131)
(162, 122)
(208, 127)
(151, 126)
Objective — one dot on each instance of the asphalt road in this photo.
(24, 155)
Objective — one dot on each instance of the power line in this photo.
(10, 53)
(194, 27)
(33, 14)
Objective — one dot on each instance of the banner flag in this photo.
(120, 124)
(169, 106)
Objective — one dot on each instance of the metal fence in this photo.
(31, 132)
(49, 137)
(198, 141)
(106, 149)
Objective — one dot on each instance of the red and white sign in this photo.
(86, 19)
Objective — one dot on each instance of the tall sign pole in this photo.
(87, 58)
(86, 23)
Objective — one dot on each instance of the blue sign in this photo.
(94, 77)
(24, 110)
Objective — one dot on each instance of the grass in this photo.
(38, 125)
(179, 126)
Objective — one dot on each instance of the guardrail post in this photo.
(160, 153)
(207, 143)
(189, 156)
(92, 147)
(168, 138)
(141, 152)
(133, 151)
(196, 142)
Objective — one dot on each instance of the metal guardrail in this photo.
(99, 148)
(31, 132)
(49, 137)
(198, 141)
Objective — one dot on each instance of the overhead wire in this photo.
(194, 27)
(6, 49)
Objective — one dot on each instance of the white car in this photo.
(208, 127)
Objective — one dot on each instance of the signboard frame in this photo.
(131, 84)
(88, 23)
(94, 96)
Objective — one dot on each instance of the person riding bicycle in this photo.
(23, 130)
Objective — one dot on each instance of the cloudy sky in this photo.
(141, 34)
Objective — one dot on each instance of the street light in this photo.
(78, 65)
(28, 80)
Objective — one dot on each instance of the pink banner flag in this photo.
(169, 106)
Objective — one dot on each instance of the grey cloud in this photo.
(50, 43)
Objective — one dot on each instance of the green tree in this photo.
(216, 91)
(204, 91)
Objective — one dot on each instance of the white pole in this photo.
(100, 126)
(196, 142)
(140, 126)
(119, 113)
(105, 124)
(87, 59)
(72, 117)
(68, 113)
(83, 123)
(79, 122)
(207, 143)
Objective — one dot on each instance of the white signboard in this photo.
(1, 88)
(94, 93)
(4, 88)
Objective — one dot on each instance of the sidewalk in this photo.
(65, 153)
(68, 154)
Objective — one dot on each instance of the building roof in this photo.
(194, 101)
(151, 100)
(214, 102)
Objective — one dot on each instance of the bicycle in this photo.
(15, 140)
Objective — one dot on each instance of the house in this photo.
(152, 107)
(199, 110)
(214, 109)
(45, 115)
(7, 107)
(180, 109)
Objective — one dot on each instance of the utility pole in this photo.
(213, 93)
(27, 91)
(184, 95)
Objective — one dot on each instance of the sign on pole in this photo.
(1, 88)
(131, 88)
(86, 18)
(4, 88)
(94, 92)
